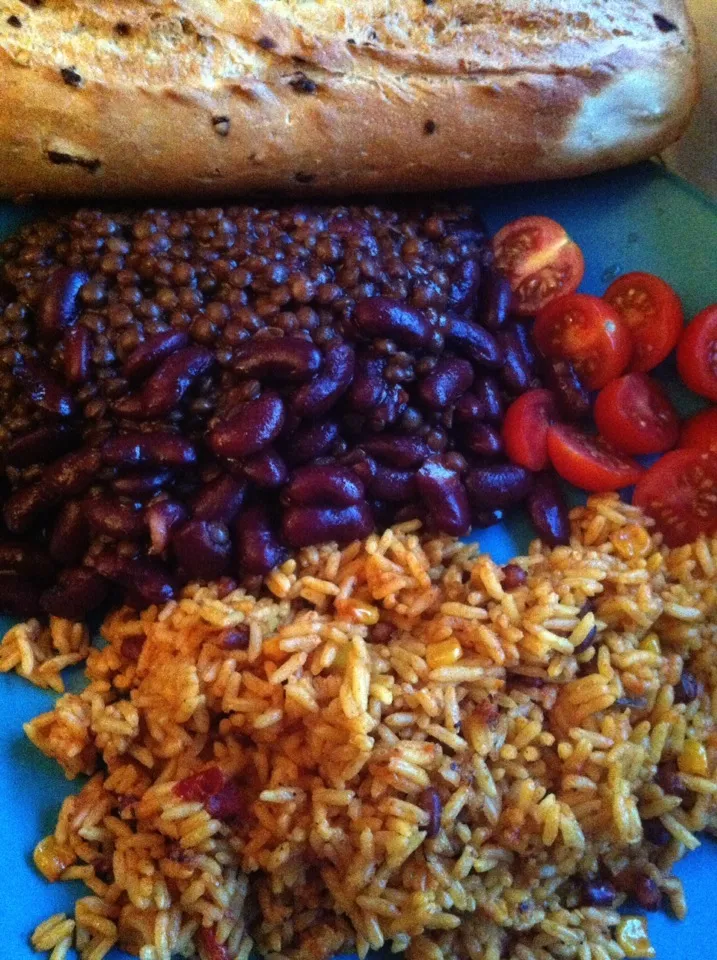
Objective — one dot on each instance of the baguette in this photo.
(218, 97)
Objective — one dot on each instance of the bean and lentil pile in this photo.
(185, 394)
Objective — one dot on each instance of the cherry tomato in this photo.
(589, 333)
(700, 431)
(588, 462)
(525, 429)
(540, 260)
(653, 313)
(697, 354)
(635, 415)
(680, 492)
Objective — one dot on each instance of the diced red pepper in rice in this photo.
(213, 950)
(200, 786)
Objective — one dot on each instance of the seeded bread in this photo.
(132, 97)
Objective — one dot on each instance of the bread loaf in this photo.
(202, 97)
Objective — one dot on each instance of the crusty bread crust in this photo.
(202, 97)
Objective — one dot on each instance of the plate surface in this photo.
(638, 219)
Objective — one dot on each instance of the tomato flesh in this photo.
(653, 314)
(697, 354)
(525, 429)
(540, 261)
(680, 493)
(635, 415)
(589, 333)
(588, 462)
(700, 431)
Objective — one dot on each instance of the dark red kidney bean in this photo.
(320, 394)
(27, 560)
(468, 409)
(388, 412)
(487, 393)
(24, 507)
(430, 801)
(407, 511)
(18, 596)
(39, 446)
(327, 485)
(258, 547)
(548, 510)
(59, 307)
(449, 378)
(387, 483)
(483, 440)
(66, 477)
(310, 441)
(70, 535)
(114, 518)
(485, 518)
(162, 517)
(647, 893)
(164, 390)
(513, 576)
(464, 285)
(527, 347)
(147, 579)
(368, 389)
(155, 448)
(220, 500)
(202, 549)
(362, 465)
(44, 389)
(148, 355)
(266, 470)
(257, 424)
(494, 298)
(287, 359)
(445, 498)
(669, 778)
(474, 342)
(656, 833)
(234, 638)
(499, 485)
(384, 318)
(573, 399)
(598, 893)
(687, 689)
(77, 350)
(303, 526)
(397, 450)
(139, 483)
(77, 592)
(515, 373)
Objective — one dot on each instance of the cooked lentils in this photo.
(187, 394)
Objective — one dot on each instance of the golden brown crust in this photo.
(225, 96)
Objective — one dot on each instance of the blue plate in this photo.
(637, 219)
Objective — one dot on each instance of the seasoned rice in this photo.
(388, 747)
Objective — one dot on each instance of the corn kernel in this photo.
(52, 859)
(631, 541)
(651, 643)
(693, 759)
(443, 654)
(631, 934)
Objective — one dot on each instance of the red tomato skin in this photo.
(635, 415)
(525, 429)
(589, 333)
(587, 462)
(653, 313)
(680, 492)
(700, 431)
(697, 354)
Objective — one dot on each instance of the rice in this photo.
(404, 753)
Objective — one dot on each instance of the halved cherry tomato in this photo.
(525, 428)
(588, 462)
(540, 260)
(700, 431)
(653, 313)
(680, 492)
(697, 354)
(589, 333)
(635, 415)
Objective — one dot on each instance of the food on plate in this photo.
(636, 416)
(652, 311)
(697, 354)
(701, 431)
(588, 462)
(680, 492)
(525, 428)
(241, 96)
(402, 743)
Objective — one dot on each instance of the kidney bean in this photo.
(202, 548)
(647, 893)
(397, 450)
(44, 389)
(656, 833)
(266, 470)
(598, 893)
(139, 483)
(573, 398)
(162, 517)
(487, 393)
(66, 477)
(59, 307)
(388, 412)
(464, 285)
(302, 526)
(483, 440)
(516, 373)
(430, 801)
(287, 359)
(449, 378)
(147, 579)
(499, 485)
(485, 518)
(164, 390)
(387, 483)
(27, 560)
(687, 689)
(148, 355)
(513, 576)
(369, 386)
(525, 340)
(220, 500)
(258, 547)
(22, 510)
(77, 348)
(548, 510)
(155, 448)
(18, 596)
(494, 298)
(320, 394)
(384, 318)
(324, 485)
(114, 518)
(70, 535)
(77, 592)
(444, 497)
(234, 638)
(310, 441)
(474, 342)
(39, 446)
(255, 426)
(468, 408)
